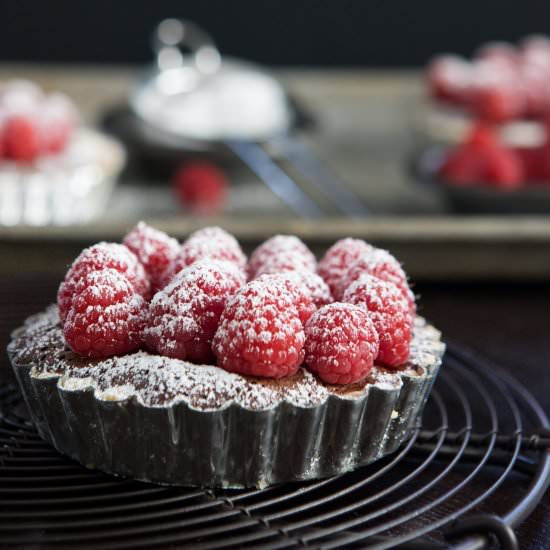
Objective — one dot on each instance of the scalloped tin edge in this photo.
(231, 447)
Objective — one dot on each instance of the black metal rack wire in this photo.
(471, 473)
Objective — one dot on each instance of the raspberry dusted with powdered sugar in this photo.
(341, 343)
(184, 316)
(154, 249)
(281, 253)
(209, 243)
(311, 285)
(380, 263)
(297, 293)
(106, 315)
(389, 311)
(335, 264)
(260, 332)
(98, 257)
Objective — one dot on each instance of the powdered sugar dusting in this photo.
(281, 253)
(160, 381)
(261, 330)
(337, 260)
(184, 316)
(154, 249)
(312, 285)
(97, 257)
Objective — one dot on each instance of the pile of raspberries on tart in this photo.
(203, 302)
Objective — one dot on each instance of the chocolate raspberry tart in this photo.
(202, 378)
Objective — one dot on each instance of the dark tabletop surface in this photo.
(506, 322)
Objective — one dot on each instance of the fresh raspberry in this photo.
(154, 249)
(56, 122)
(389, 311)
(381, 264)
(503, 168)
(298, 293)
(534, 163)
(336, 262)
(482, 159)
(449, 78)
(462, 166)
(98, 257)
(312, 285)
(482, 136)
(209, 243)
(498, 103)
(341, 343)
(21, 139)
(502, 52)
(184, 316)
(281, 253)
(260, 333)
(201, 186)
(106, 315)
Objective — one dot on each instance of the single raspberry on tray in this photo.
(184, 316)
(281, 253)
(335, 264)
(209, 243)
(154, 249)
(201, 186)
(98, 257)
(381, 264)
(389, 311)
(260, 332)
(106, 315)
(341, 343)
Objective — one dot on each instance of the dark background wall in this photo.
(276, 32)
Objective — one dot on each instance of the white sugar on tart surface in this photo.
(158, 381)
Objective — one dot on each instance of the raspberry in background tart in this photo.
(50, 161)
(211, 380)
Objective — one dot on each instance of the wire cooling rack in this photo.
(472, 471)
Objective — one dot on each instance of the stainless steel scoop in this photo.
(203, 102)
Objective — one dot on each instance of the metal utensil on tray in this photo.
(202, 102)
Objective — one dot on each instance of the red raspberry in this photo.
(209, 243)
(106, 315)
(498, 103)
(184, 316)
(503, 168)
(21, 139)
(389, 311)
(281, 253)
(297, 293)
(462, 166)
(380, 263)
(260, 333)
(341, 343)
(154, 249)
(98, 257)
(449, 78)
(482, 159)
(502, 52)
(533, 162)
(56, 122)
(482, 137)
(336, 262)
(201, 186)
(312, 285)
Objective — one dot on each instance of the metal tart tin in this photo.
(233, 446)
